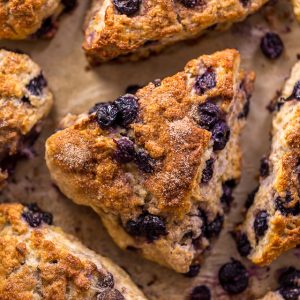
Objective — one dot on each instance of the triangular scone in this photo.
(138, 27)
(39, 261)
(272, 225)
(155, 165)
(25, 100)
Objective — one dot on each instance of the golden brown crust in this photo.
(278, 194)
(45, 263)
(158, 23)
(81, 159)
(22, 19)
(21, 107)
(296, 5)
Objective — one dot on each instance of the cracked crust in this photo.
(21, 110)
(283, 230)
(81, 161)
(25, 19)
(158, 23)
(37, 263)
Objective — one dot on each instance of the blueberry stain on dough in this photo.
(125, 151)
(271, 45)
(127, 7)
(220, 135)
(200, 292)
(36, 85)
(208, 171)
(233, 277)
(209, 114)
(261, 223)
(34, 216)
(206, 81)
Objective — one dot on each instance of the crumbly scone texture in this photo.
(24, 101)
(45, 263)
(156, 24)
(278, 194)
(81, 160)
(22, 19)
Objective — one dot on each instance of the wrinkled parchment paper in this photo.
(77, 88)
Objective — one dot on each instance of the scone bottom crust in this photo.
(272, 224)
(39, 260)
(159, 166)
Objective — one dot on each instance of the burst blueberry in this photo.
(208, 171)
(34, 216)
(271, 45)
(209, 115)
(220, 135)
(127, 7)
(36, 85)
(283, 205)
(261, 223)
(206, 81)
(125, 151)
(106, 114)
(127, 109)
(144, 162)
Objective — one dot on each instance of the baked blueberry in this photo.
(106, 114)
(215, 227)
(296, 92)
(34, 216)
(206, 81)
(282, 204)
(233, 277)
(110, 294)
(220, 135)
(127, 109)
(261, 223)
(250, 198)
(208, 171)
(144, 162)
(200, 292)
(242, 244)
(46, 30)
(36, 85)
(125, 151)
(190, 3)
(290, 284)
(290, 292)
(227, 198)
(264, 168)
(193, 271)
(132, 89)
(271, 45)
(209, 115)
(106, 282)
(127, 7)
(246, 109)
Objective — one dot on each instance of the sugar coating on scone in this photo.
(272, 224)
(40, 261)
(25, 100)
(135, 28)
(159, 166)
(31, 18)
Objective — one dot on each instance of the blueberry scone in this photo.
(25, 19)
(136, 28)
(272, 224)
(296, 5)
(40, 261)
(289, 286)
(24, 101)
(159, 166)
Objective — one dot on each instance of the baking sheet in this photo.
(76, 88)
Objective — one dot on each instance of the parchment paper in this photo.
(76, 88)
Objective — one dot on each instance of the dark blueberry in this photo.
(127, 109)
(233, 277)
(206, 81)
(110, 294)
(245, 3)
(69, 4)
(209, 115)
(242, 244)
(261, 223)
(289, 277)
(280, 204)
(147, 225)
(106, 114)
(271, 45)
(46, 30)
(106, 282)
(227, 198)
(34, 216)
(296, 92)
(250, 198)
(190, 3)
(36, 85)
(127, 7)
(200, 292)
(215, 227)
(125, 151)
(246, 109)
(157, 82)
(144, 162)
(290, 292)
(132, 89)
(220, 135)
(264, 167)
(193, 271)
(203, 217)
(208, 171)
(25, 99)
